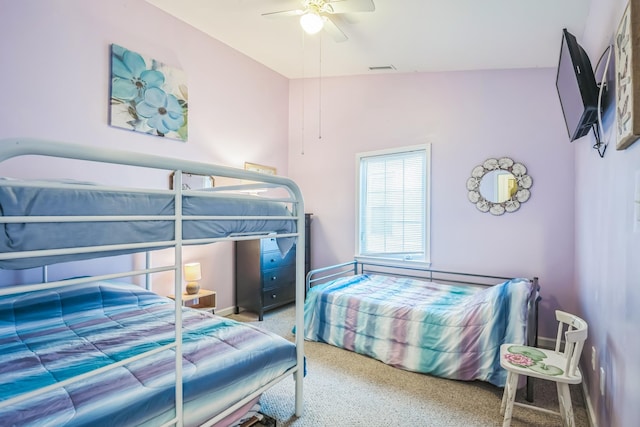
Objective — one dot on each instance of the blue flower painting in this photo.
(147, 96)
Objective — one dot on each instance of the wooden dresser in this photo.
(264, 278)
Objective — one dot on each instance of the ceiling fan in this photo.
(315, 15)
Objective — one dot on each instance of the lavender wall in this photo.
(467, 117)
(607, 268)
(55, 82)
(575, 233)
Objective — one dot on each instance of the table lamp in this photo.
(192, 274)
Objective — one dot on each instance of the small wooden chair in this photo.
(551, 365)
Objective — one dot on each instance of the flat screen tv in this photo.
(577, 87)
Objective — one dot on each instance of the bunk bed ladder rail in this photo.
(178, 293)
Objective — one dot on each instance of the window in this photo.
(392, 223)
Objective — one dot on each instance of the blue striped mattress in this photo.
(49, 336)
(450, 331)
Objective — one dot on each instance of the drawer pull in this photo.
(274, 278)
(273, 296)
(273, 260)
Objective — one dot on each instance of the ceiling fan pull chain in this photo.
(320, 90)
(303, 98)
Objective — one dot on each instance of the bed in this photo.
(86, 350)
(445, 324)
(73, 330)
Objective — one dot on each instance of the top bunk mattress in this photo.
(51, 335)
(84, 200)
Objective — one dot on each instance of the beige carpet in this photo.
(347, 389)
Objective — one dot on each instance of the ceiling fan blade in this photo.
(332, 29)
(283, 13)
(350, 6)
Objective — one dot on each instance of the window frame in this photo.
(420, 264)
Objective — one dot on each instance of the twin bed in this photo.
(101, 349)
(445, 324)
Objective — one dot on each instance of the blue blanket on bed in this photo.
(444, 330)
(49, 336)
(87, 200)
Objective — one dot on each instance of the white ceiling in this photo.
(410, 35)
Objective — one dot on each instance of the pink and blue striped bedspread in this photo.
(48, 336)
(450, 331)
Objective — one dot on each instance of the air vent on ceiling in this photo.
(382, 68)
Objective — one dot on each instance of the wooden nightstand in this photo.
(203, 300)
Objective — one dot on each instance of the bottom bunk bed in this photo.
(49, 336)
(445, 324)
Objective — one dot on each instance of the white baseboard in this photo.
(225, 311)
(587, 401)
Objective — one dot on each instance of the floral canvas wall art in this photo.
(147, 95)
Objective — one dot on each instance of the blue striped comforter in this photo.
(49, 336)
(444, 330)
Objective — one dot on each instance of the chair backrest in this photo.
(574, 338)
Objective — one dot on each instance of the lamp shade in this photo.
(311, 22)
(192, 272)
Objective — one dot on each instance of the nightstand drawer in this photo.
(273, 259)
(278, 296)
(279, 277)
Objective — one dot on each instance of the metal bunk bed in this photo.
(181, 219)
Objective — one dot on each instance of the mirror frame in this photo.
(522, 194)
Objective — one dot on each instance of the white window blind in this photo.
(393, 205)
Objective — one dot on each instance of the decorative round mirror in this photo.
(499, 186)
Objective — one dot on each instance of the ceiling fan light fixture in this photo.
(311, 22)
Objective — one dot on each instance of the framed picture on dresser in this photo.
(255, 167)
(192, 181)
